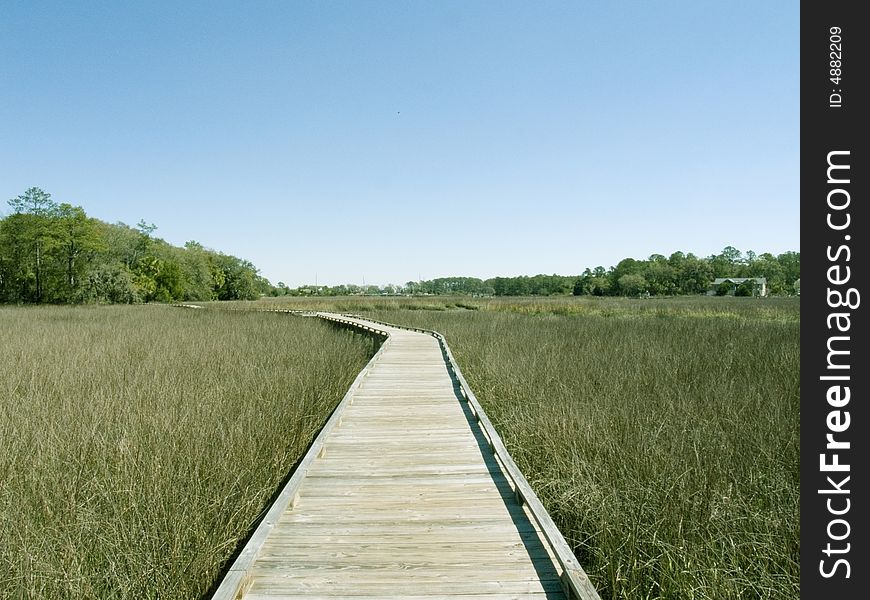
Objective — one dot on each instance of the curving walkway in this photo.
(399, 497)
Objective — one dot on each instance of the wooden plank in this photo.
(315, 486)
(349, 581)
(352, 582)
(464, 578)
(454, 530)
(411, 549)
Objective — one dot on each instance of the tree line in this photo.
(55, 253)
(675, 275)
(682, 274)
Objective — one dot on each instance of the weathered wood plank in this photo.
(354, 581)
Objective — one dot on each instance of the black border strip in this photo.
(834, 560)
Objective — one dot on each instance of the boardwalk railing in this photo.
(575, 582)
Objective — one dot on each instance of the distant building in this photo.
(760, 288)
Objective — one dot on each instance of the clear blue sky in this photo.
(388, 141)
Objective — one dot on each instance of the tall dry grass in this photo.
(138, 445)
(663, 438)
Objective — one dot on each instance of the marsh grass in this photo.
(138, 445)
(695, 307)
(663, 439)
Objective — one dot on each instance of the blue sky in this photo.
(386, 141)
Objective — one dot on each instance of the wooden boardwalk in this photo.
(402, 496)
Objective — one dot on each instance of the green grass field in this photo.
(139, 444)
(662, 435)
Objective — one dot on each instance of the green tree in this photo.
(196, 272)
(765, 265)
(145, 277)
(77, 240)
(725, 288)
(694, 275)
(662, 277)
(13, 260)
(34, 201)
(727, 263)
(170, 286)
(238, 277)
(633, 284)
(111, 283)
(791, 266)
(593, 282)
(746, 288)
(581, 284)
(51, 252)
(35, 210)
(627, 266)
